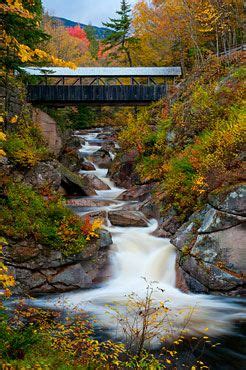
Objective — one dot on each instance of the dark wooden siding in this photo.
(51, 94)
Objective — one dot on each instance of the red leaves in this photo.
(79, 33)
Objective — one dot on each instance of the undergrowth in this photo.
(26, 214)
(195, 145)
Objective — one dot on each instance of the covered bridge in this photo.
(99, 85)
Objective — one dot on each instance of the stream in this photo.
(138, 260)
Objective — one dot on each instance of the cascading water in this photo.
(136, 257)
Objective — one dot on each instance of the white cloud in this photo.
(84, 11)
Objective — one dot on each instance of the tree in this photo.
(20, 25)
(121, 36)
(94, 43)
(69, 44)
(79, 33)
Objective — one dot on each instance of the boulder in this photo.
(102, 215)
(87, 166)
(73, 184)
(215, 220)
(69, 155)
(127, 218)
(233, 200)
(91, 181)
(102, 158)
(89, 202)
(70, 276)
(211, 245)
(44, 175)
(123, 171)
(37, 269)
(140, 192)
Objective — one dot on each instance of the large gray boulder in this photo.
(102, 158)
(211, 245)
(74, 184)
(91, 181)
(127, 218)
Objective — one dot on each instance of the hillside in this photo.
(101, 32)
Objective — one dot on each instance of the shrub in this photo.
(26, 149)
(27, 214)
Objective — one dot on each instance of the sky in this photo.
(84, 11)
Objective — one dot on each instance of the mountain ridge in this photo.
(101, 32)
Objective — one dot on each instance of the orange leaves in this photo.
(90, 229)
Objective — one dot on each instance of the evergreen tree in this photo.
(94, 44)
(120, 35)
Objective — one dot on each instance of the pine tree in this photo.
(120, 35)
(94, 44)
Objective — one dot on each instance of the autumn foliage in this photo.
(194, 147)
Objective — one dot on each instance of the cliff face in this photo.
(211, 245)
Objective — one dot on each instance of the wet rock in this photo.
(150, 209)
(213, 278)
(87, 166)
(123, 171)
(127, 218)
(74, 184)
(181, 283)
(91, 181)
(44, 175)
(89, 202)
(139, 193)
(109, 146)
(160, 233)
(102, 158)
(105, 239)
(233, 200)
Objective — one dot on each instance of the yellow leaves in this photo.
(2, 153)
(1, 119)
(6, 279)
(16, 7)
(2, 136)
